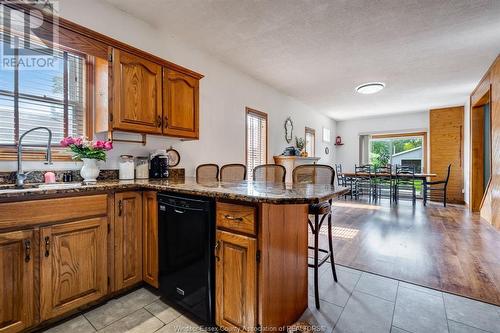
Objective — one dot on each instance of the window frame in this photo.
(261, 115)
(30, 153)
(311, 131)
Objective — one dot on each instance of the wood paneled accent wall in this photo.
(447, 146)
(489, 88)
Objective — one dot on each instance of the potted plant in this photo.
(300, 144)
(89, 152)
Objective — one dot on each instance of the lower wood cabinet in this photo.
(236, 281)
(128, 239)
(16, 280)
(150, 238)
(73, 265)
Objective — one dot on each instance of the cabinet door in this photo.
(73, 269)
(16, 281)
(235, 281)
(180, 102)
(137, 94)
(150, 238)
(128, 239)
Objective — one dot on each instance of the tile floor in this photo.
(359, 302)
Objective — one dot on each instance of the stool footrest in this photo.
(323, 259)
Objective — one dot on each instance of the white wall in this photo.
(349, 130)
(224, 94)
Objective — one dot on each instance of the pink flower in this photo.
(67, 141)
(108, 145)
(78, 141)
(98, 144)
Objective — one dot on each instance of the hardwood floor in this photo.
(447, 249)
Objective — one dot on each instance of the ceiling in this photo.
(429, 53)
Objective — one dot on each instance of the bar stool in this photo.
(270, 173)
(318, 174)
(207, 172)
(233, 172)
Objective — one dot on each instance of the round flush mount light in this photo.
(370, 88)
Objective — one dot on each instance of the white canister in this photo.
(142, 167)
(126, 167)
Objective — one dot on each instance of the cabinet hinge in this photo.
(109, 228)
(257, 256)
(110, 57)
(110, 117)
(109, 281)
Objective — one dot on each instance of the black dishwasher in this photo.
(186, 231)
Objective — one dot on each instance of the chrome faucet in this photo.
(21, 176)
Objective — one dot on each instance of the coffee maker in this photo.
(159, 164)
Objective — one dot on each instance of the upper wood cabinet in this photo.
(16, 280)
(235, 281)
(137, 94)
(73, 265)
(150, 238)
(128, 239)
(180, 104)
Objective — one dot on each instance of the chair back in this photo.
(207, 172)
(383, 172)
(233, 172)
(313, 174)
(363, 171)
(405, 174)
(340, 175)
(271, 173)
(447, 175)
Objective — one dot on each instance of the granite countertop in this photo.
(245, 191)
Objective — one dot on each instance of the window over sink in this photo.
(34, 95)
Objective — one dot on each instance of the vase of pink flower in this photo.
(89, 152)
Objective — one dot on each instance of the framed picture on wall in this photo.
(326, 134)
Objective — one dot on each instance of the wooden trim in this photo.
(409, 134)
(98, 37)
(313, 132)
(8, 153)
(262, 115)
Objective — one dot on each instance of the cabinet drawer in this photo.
(25, 213)
(236, 217)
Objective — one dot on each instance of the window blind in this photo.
(52, 97)
(256, 140)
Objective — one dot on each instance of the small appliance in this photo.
(159, 164)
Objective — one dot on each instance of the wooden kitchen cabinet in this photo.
(16, 280)
(150, 238)
(137, 94)
(73, 265)
(128, 239)
(180, 104)
(235, 281)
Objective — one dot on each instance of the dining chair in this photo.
(404, 186)
(384, 182)
(318, 174)
(233, 172)
(207, 172)
(343, 180)
(271, 173)
(433, 188)
(365, 180)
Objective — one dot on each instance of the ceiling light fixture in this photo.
(370, 88)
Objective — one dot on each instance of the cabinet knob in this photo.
(120, 208)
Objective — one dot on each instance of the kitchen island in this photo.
(260, 246)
